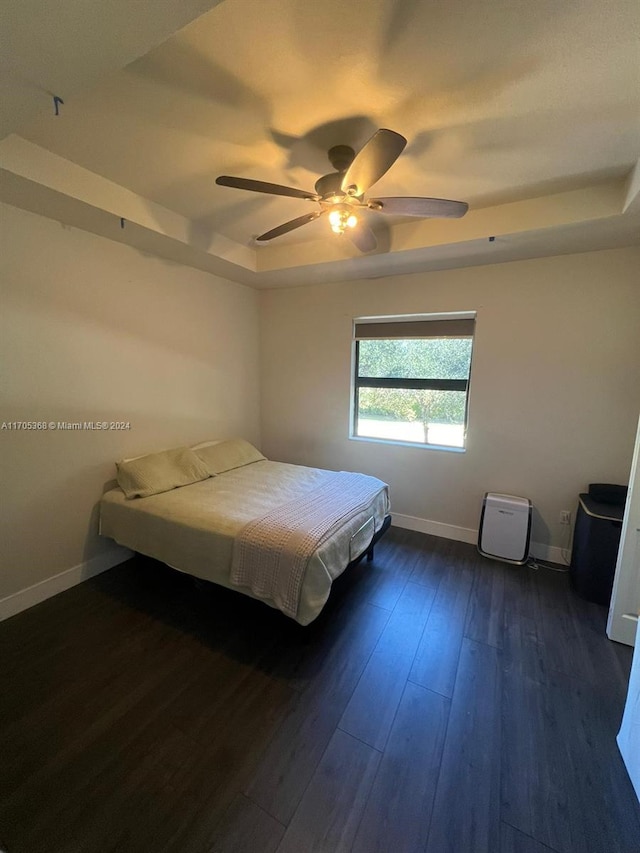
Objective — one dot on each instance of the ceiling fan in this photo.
(340, 194)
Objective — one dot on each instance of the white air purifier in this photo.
(505, 528)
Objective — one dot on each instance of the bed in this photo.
(222, 512)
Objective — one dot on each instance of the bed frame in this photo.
(386, 524)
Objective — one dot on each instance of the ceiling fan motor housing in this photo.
(330, 186)
(341, 157)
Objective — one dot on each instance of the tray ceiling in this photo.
(528, 111)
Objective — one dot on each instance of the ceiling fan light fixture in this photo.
(342, 218)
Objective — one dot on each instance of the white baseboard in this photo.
(49, 587)
(435, 528)
(549, 553)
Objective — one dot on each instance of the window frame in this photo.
(358, 382)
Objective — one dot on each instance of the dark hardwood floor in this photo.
(442, 702)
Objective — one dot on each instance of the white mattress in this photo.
(193, 528)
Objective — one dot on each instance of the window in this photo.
(411, 378)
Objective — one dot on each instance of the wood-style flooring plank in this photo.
(96, 752)
(161, 752)
(466, 812)
(392, 567)
(329, 813)
(552, 588)
(202, 773)
(513, 841)
(398, 811)
(436, 661)
(486, 604)
(78, 764)
(302, 655)
(292, 756)
(520, 591)
(572, 647)
(373, 704)
(523, 649)
(535, 762)
(246, 828)
(30, 663)
(79, 700)
(563, 781)
(434, 557)
(606, 809)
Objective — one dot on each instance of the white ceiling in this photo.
(529, 111)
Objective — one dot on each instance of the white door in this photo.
(625, 598)
(629, 734)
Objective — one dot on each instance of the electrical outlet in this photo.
(565, 516)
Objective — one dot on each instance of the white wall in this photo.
(92, 330)
(555, 386)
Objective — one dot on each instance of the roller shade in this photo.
(454, 328)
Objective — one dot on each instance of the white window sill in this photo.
(397, 443)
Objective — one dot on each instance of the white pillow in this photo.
(160, 472)
(221, 456)
(207, 443)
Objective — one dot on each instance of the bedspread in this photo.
(271, 553)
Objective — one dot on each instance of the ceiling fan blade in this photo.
(363, 237)
(289, 226)
(264, 187)
(440, 208)
(372, 161)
